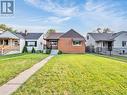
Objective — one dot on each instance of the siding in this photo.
(118, 40)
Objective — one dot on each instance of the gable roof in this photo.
(8, 35)
(106, 36)
(72, 34)
(117, 34)
(101, 36)
(31, 35)
(16, 35)
(54, 36)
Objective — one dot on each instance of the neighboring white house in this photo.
(11, 42)
(33, 40)
(106, 42)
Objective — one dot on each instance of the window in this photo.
(1, 42)
(123, 43)
(76, 43)
(16, 43)
(54, 43)
(5, 42)
(87, 37)
(104, 44)
(31, 43)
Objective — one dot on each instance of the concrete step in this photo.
(54, 52)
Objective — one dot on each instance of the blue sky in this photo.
(82, 15)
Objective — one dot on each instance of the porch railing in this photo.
(6, 49)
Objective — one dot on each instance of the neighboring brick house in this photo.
(69, 42)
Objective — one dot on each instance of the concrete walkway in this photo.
(12, 85)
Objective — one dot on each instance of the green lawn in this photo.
(10, 56)
(119, 58)
(11, 65)
(78, 75)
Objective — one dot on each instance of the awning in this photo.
(78, 39)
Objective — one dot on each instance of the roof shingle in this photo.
(72, 34)
(102, 36)
(31, 35)
(54, 36)
(105, 36)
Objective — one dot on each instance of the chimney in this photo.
(25, 32)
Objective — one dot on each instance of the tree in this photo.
(107, 30)
(33, 50)
(48, 51)
(51, 31)
(25, 50)
(5, 28)
(99, 30)
(104, 30)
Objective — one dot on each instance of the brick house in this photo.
(69, 42)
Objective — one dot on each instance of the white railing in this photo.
(5, 49)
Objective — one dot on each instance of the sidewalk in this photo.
(12, 85)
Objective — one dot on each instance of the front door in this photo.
(110, 46)
(54, 44)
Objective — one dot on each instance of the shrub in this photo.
(33, 50)
(90, 49)
(39, 51)
(48, 51)
(60, 52)
(25, 50)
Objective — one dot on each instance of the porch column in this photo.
(11, 42)
(101, 45)
(2, 47)
(3, 42)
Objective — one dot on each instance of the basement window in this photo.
(76, 43)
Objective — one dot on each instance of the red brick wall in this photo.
(66, 46)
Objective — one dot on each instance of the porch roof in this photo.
(8, 35)
(53, 36)
(102, 36)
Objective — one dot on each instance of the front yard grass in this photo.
(115, 57)
(78, 75)
(3, 57)
(11, 65)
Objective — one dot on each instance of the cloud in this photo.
(32, 1)
(57, 20)
(30, 28)
(55, 7)
(103, 14)
(50, 20)
(84, 17)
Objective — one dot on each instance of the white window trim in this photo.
(31, 45)
(76, 45)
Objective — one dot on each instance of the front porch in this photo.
(8, 44)
(51, 44)
(104, 47)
